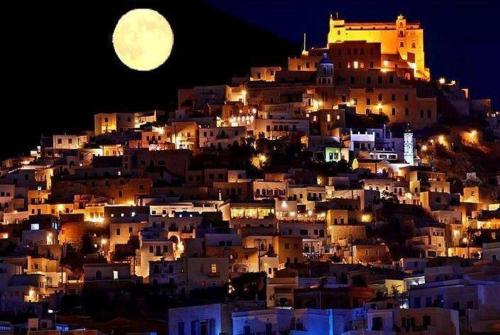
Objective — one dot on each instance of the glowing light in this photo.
(442, 80)
(262, 158)
(424, 147)
(355, 64)
(366, 218)
(442, 140)
(244, 96)
(143, 39)
(50, 239)
(159, 130)
(104, 241)
(97, 220)
(317, 103)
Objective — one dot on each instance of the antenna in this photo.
(304, 50)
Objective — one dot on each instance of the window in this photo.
(180, 328)
(393, 111)
(117, 231)
(269, 328)
(427, 320)
(115, 275)
(213, 268)
(407, 111)
(377, 323)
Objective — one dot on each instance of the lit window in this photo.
(115, 275)
(213, 268)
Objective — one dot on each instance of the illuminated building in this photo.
(120, 122)
(399, 40)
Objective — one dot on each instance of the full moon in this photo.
(143, 39)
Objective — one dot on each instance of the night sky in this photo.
(462, 38)
(59, 67)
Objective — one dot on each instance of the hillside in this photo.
(68, 70)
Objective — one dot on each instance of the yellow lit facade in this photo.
(399, 38)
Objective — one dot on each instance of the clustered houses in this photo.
(311, 181)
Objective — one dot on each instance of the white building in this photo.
(200, 320)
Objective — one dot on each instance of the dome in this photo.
(325, 59)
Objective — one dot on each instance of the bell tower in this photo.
(337, 31)
(409, 147)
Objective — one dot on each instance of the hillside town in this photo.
(346, 191)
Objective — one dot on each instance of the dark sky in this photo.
(59, 67)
